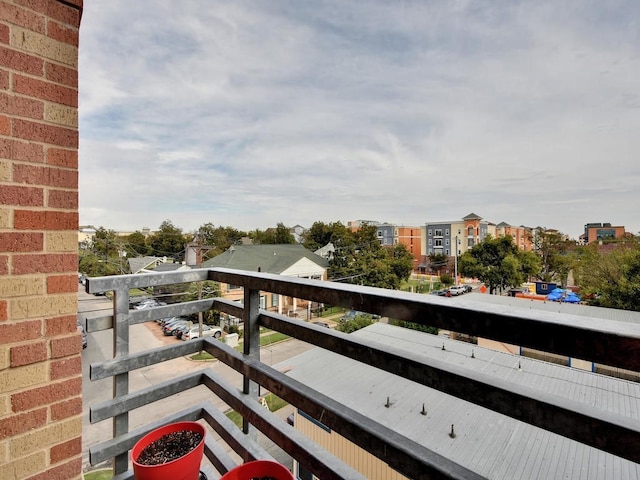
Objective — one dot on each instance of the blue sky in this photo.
(251, 113)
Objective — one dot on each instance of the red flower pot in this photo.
(258, 469)
(186, 467)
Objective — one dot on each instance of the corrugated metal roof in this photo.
(489, 443)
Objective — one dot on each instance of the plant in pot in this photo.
(173, 451)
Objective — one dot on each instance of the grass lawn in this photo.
(105, 474)
(273, 402)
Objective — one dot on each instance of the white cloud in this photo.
(250, 113)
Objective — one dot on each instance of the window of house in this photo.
(275, 299)
(446, 242)
(446, 252)
(232, 287)
(263, 302)
(470, 231)
(446, 232)
(429, 232)
(438, 242)
(438, 232)
(430, 242)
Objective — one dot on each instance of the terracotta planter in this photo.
(258, 469)
(186, 467)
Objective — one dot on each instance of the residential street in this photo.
(142, 337)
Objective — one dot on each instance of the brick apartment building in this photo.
(40, 361)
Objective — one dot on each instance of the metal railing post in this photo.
(120, 381)
(251, 345)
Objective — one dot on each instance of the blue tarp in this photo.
(561, 295)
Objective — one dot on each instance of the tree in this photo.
(136, 245)
(321, 234)
(359, 258)
(359, 321)
(168, 241)
(554, 256)
(220, 238)
(273, 236)
(498, 263)
(610, 279)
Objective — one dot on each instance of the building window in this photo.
(446, 242)
(470, 231)
(446, 252)
(274, 299)
(429, 232)
(438, 232)
(438, 242)
(263, 302)
(430, 242)
(446, 232)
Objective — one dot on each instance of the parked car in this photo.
(441, 293)
(207, 331)
(457, 290)
(322, 324)
(468, 288)
(180, 330)
(169, 327)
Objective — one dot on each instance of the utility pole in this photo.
(455, 261)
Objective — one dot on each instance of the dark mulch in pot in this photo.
(169, 447)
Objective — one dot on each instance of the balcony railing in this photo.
(604, 341)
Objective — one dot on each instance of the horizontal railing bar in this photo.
(590, 425)
(401, 453)
(218, 456)
(119, 445)
(601, 340)
(134, 361)
(145, 396)
(228, 306)
(96, 324)
(322, 463)
(145, 280)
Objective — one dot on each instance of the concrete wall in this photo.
(40, 361)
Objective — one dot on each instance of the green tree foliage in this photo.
(438, 261)
(361, 259)
(167, 241)
(356, 323)
(555, 258)
(136, 245)
(320, 234)
(610, 279)
(498, 263)
(414, 326)
(219, 238)
(273, 236)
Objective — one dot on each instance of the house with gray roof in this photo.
(491, 444)
(290, 260)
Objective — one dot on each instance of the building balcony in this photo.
(612, 433)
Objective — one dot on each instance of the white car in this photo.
(457, 290)
(207, 331)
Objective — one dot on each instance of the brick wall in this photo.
(40, 361)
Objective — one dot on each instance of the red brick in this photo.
(52, 393)
(44, 263)
(65, 450)
(60, 325)
(23, 196)
(62, 284)
(66, 409)
(20, 61)
(57, 10)
(5, 33)
(22, 17)
(5, 125)
(61, 74)
(21, 106)
(39, 132)
(63, 199)
(67, 346)
(3, 308)
(21, 242)
(45, 90)
(4, 79)
(28, 354)
(4, 265)
(50, 176)
(62, 158)
(62, 33)
(71, 469)
(21, 331)
(47, 220)
(67, 367)
(24, 151)
(24, 422)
